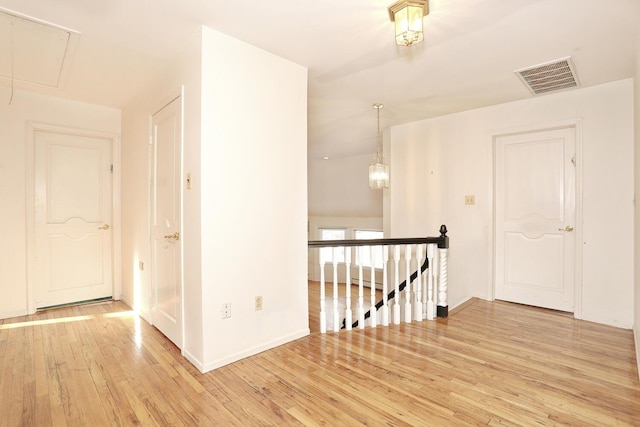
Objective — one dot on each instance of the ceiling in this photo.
(470, 51)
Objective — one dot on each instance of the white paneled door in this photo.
(166, 222)
(535, 178)
(73, 235)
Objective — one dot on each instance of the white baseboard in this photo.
(9, 314)
(126, 300)
(367, 284)
(194, 361)
(636, 336)
(144, 314)
(459, 303)
(214, 364)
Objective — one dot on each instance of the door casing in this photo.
(32, 129)
(576, 124)
(179, 96)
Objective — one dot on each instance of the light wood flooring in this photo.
(489, 363)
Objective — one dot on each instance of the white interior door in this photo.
(166, 222)
(73, 236)
(535, 179)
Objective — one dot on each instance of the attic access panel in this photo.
(34, 52)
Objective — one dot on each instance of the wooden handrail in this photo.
(442, 241)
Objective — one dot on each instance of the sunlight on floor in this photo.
(129, 313)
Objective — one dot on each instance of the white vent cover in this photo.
(550, 76)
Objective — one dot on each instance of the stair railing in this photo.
(429, 281)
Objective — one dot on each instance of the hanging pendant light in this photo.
(378, 170)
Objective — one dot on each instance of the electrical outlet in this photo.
(225, 312)
(258, 302)
(469, 200)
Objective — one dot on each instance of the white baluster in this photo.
(323, 313)
(443, 305)
(396, 305)
(336, 313)
(385, 284)
(360, 290)
(430, 279)
(407, 289)
(348, 314)
(417, 308)
(372, 311)
(425, 279)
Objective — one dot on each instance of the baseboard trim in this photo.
(462, 305)
(143, 314)
(193, 360)
(10, 314)
(127, 301)
(636, 338)
(214, 364)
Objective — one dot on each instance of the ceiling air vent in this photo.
(550, 76)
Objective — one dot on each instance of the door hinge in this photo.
(150, 139)
(573, 160)
(111, 169)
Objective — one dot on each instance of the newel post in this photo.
(443, 249)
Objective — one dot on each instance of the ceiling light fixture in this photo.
(407, 15)
(378, 170)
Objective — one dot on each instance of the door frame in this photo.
(116, 265)
(172, 96)
(576, 125)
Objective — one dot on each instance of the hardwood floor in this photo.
(489, 363)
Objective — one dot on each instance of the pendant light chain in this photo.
(378, 138)
(378, 135)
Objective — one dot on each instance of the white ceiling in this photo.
(467, 59)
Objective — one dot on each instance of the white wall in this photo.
(30, 107)
(436, 162)
(254, 199)
(245, 216)
(340, 188)
(185, 71)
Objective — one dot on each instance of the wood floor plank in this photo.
(246, 402)
(53, 384)
(11, 380)
(329, 389)
(489, 363)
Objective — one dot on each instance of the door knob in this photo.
(567, 228)
(174, 236)
(104, 227)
